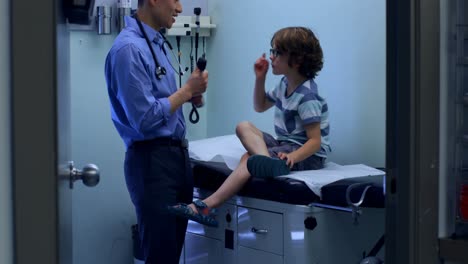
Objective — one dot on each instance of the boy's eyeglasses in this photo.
(275, 53)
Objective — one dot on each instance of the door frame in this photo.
(6, 212)
(34, 130)
(412, 145)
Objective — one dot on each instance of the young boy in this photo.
(301, 121)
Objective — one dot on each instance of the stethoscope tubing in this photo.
(194, 116)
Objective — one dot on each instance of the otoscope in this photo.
(201, 65)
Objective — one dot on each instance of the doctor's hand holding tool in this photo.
(197, 101)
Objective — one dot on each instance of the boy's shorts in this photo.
(274, 146)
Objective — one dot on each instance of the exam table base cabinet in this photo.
(259, 231)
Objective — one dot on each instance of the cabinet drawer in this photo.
(247, 255)
(260, 230)
(202, 250)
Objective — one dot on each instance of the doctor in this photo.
(146, 110)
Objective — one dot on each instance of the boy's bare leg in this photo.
(260, 164)
(231, 185)
(252, 139)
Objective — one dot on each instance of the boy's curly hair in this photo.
(303, 48)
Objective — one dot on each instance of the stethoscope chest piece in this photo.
(160, 71)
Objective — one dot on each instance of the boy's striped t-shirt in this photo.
(304, 106)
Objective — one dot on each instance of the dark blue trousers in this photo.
(158, 174)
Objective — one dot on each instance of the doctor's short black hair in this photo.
(303, 48)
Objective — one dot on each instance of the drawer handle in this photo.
(259, 231)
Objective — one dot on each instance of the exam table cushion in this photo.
(210, 175)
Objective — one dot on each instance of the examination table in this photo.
(281, 220)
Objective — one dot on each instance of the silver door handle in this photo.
(90, 174)
(259, 231)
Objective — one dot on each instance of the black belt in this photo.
(182, 143)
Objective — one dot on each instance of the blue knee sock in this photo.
(266, 167)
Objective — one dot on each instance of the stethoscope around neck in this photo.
(160, 70)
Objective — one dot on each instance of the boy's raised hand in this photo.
(261, 66)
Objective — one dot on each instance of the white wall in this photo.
(353, 38)
(6, 227)
(102, 215)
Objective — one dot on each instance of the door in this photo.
(42, 171)
(34, 131)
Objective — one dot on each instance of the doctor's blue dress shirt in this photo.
(140, 107)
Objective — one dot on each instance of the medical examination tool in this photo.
(194, 117)
(178, 58)
(201, 63)
(124, 8)
(103, 20)
(160, 70)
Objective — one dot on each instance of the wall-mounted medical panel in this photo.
(108, 16)
(187, 26)
(110, 20)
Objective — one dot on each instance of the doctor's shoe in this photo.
(266, 167)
